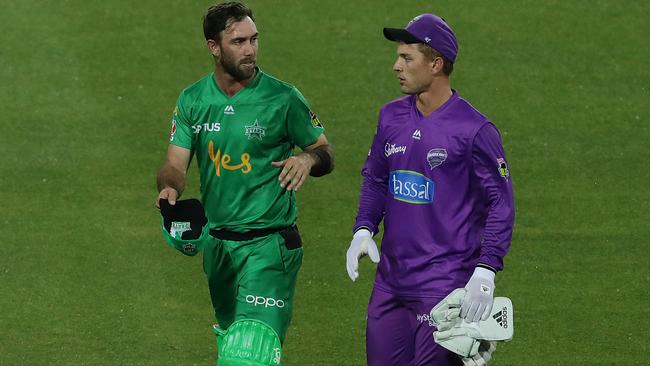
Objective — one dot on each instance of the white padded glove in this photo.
(477, 303)
(483, 356)
(471, 340)
(362, 244)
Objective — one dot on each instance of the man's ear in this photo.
(436, 65)
(214, 48)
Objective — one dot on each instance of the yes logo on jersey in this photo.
(412, 187)
(222, 160)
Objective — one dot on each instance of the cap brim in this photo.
(400, 35)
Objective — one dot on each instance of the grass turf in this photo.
(86, 92)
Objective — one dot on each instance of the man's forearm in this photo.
(171, 177)
(371, 204)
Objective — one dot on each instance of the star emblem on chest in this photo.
(255, 131)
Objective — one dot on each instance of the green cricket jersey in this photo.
(235, 139)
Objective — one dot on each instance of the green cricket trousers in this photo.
(253, 278)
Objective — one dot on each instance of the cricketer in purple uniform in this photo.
(437, 175)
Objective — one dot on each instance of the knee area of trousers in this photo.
(248, 342)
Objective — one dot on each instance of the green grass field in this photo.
(86, 93)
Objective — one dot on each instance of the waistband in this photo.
(248, 235)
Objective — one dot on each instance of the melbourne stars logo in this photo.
(178, 228)
(255, 131)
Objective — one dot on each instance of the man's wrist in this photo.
(361, 232)
(483, 272)
(162, 187)
(322, 161)
(169, 177)
(487, 266)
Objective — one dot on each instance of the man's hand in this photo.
(362, 244)
(168, 193)
(295, 170)
(477, 303)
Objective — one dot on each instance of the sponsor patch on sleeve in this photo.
(503, 168)
(173, 131)
(314, 120)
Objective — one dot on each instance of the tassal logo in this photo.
(411, 187)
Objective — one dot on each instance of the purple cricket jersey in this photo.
(441, 183)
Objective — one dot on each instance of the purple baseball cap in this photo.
(428, 29)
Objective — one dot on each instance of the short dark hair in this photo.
(431, 54)
(221, 16)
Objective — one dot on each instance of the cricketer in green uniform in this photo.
(234, 141)
(242, 125)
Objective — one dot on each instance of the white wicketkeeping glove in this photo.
(362, 244)
(469, 339)
(483, 356)
(446, 315)
(477, 303)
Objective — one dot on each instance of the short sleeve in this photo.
(303, 124)
(181, 130)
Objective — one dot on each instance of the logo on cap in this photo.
(415, 19)
(189, 248)
(178, 228)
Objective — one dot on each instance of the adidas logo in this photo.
(416, 135)
(229, 110)
(502, 318)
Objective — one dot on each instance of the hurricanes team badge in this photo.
(435, 157)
